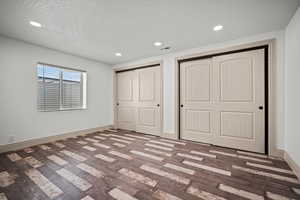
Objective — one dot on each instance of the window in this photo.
(60, 88)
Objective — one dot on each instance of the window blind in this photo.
(60, 88)
(71, 90)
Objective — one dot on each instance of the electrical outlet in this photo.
(11, 139)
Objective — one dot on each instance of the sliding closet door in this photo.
(149, 100)
(126, 100)
(239, 91)
(197, 108)
(222, 100)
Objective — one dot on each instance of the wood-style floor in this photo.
(127, 166)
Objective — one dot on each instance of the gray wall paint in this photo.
(292, 92)
(18, 93)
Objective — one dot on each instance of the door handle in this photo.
(181, 106)
(157, 105)
(260, 107)
(118, 104)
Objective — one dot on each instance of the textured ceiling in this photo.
(96, 29)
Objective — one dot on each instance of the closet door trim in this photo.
(136, 67)
(266, 48)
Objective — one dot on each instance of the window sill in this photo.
(64, 109)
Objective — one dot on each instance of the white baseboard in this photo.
(295, 167)
(277, 153)
(38, 141)
(169, 135)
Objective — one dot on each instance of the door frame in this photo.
(270, 80)
(135, 67)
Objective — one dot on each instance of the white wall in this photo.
(18, 93)
(169, 78)
(292, 92)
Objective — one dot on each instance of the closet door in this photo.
(196, 99)
(149, 100)
(126, 100)
(239, 90)
(222, 101)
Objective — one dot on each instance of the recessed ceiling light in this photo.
(118, 54)
(36, 24)
(157, 44)
(218, 28)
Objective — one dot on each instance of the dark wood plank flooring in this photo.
(124, 165)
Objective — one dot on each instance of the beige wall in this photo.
(19, 118)
(292, 92)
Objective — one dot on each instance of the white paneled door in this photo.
(126, 100)
(139, 100)
(149, 100)
(197, 107)
(222, 100)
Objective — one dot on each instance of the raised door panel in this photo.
(126, 118)
(125, 86)
(147, 86)
(237, 125)
(198, 121)
(197, 87)
(236, 80)
(146, 117)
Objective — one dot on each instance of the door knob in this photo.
(117, 104)
(181, 106)
(260, 107)
(158, 105)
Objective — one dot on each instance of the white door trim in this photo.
(272, 90)
(115, 70)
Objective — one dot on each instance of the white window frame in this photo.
(83, 87)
